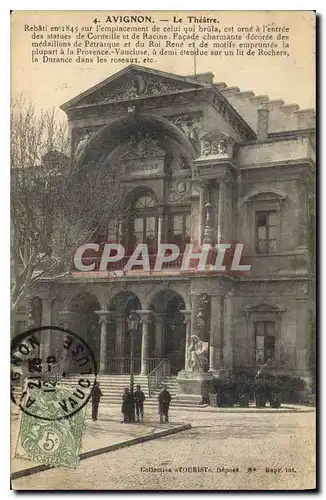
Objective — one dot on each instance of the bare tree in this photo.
(56, 205)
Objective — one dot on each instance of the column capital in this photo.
(104, 315)
(159, 316)
(145, 315)
(203, 183)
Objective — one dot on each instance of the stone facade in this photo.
(182, 143)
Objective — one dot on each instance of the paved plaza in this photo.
(222, 450)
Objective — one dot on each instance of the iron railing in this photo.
(58, 370)
(120, 366)
(158, 374)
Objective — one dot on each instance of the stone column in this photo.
(64, 318)
(228, 332)
(195, 300)
(303, 213)
(160, 229)
(201, 215)
(46, 321)
(120, 339)
(221, 217)
(159, 335)
(215, 347)
(187, 320)
(303, 333)
(145, 319)
(104, 319)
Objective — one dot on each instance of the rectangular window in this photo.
(264, 341)
(150, 230)
(180, 229)
(139, 229)
(266, 232)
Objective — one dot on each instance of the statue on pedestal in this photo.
(197, 354)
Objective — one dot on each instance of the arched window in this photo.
(144, 220)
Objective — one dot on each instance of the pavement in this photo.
(232, 450)
(108, 433)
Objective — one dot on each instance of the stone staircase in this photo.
(112, 387)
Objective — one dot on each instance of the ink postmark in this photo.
(38, 375)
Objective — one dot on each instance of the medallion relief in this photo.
(217, 145)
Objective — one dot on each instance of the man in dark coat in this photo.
(139, 398)
(127, 406)
(96, 396)
(164, 400)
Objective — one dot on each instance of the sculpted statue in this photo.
(189, 125)
(197, 354)
(223, 146)
(82, 143)
(214, 148)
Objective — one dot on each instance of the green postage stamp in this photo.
(51, 442)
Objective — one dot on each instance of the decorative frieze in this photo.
(140, 146)
(138, 86)
(142, 155)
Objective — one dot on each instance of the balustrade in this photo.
(157, 376)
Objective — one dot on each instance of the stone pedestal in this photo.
(193, 387)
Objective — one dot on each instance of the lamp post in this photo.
(203, 317)
(133, 324)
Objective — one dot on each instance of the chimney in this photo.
(263, 119)
(203, 77)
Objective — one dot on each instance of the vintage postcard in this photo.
(163, 250)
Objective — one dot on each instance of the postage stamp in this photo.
(54, 441)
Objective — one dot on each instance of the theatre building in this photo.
(199, 162)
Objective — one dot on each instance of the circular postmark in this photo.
(42, 361)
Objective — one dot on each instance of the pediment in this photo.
(264, 307)
(265, 195)
(131, 83)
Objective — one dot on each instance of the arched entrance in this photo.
(84, 320)
(119, 341)
(169, 336)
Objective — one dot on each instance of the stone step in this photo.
(114, 390)
(151, 401)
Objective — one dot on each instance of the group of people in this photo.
(133, 404)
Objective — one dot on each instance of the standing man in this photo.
(96, 396)
(127, 406)
(164, 400)
(139, 398)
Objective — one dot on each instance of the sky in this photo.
(289, 78)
